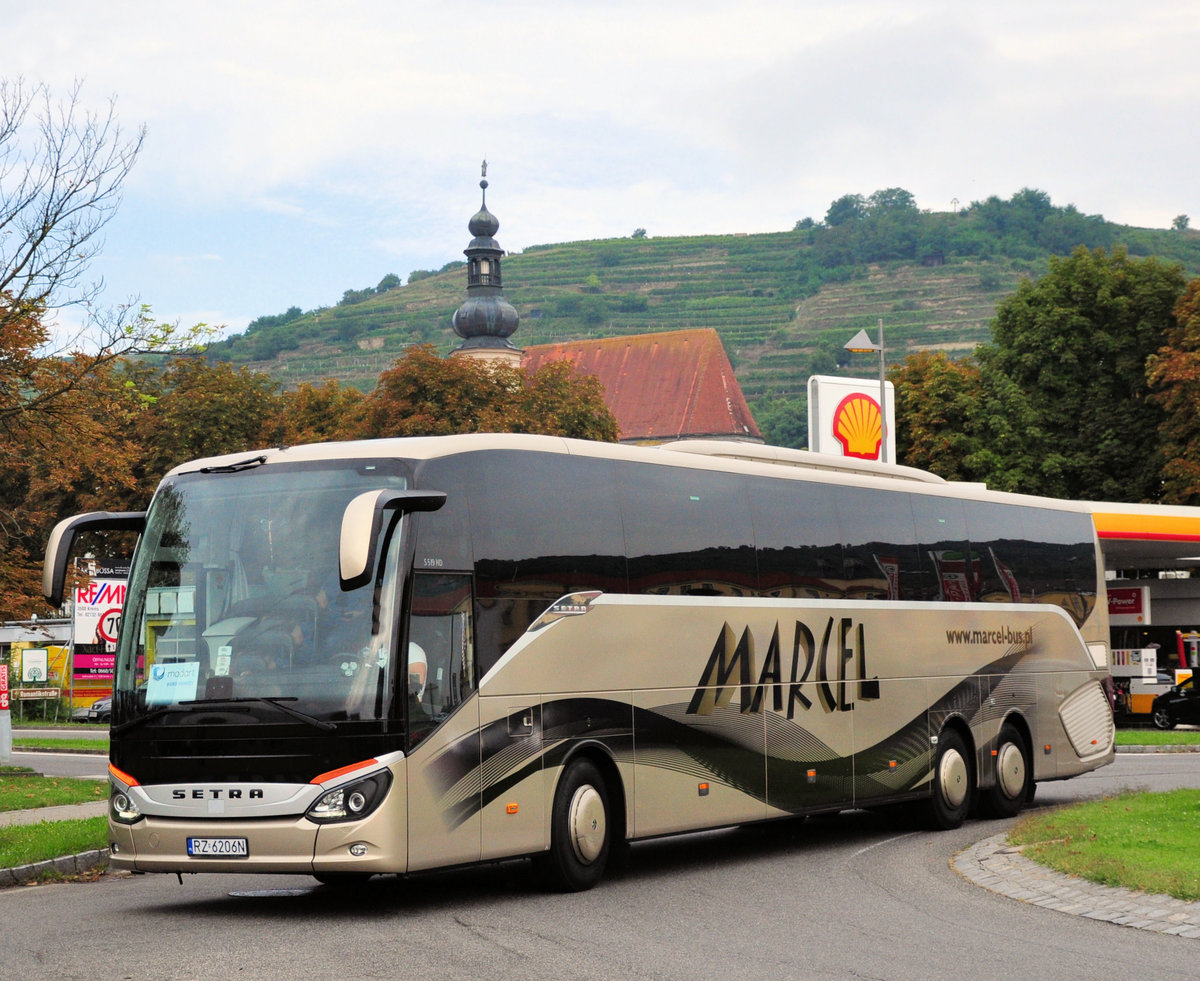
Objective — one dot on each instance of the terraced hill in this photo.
(784, 303)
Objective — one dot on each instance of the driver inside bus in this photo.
(325, 620)
(328, 621)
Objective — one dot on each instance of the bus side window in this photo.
(441, 634)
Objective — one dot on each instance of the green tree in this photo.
(63, 449)
(848, 208)
(426, 395)
(1066, 412)
(196, 409)
(937, 406)
(62, 411)
(557, 401)
(63, 170)
(1173, 375)
(783, 421)
(316, 414)
(1181, 223)
(891, 199)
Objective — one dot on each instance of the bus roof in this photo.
(725, 455)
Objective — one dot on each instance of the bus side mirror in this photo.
(364, 519)
(58, 548)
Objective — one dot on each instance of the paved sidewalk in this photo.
(996, 865)
(66, 812)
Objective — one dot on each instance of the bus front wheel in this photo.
(579, 829)
(1010, 791)
(952, 783)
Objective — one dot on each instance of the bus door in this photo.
(444, 774)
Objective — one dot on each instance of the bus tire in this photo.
(952, 783)
(1008, 793)
(580, 829)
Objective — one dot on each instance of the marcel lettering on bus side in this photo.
(840, 656)
(831, 670)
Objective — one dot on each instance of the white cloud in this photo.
(315, 146)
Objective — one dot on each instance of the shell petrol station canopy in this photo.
(1147, 536)
(660, 387)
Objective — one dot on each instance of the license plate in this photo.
(218, 848)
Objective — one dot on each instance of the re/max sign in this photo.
(100, 594)
(827, 669)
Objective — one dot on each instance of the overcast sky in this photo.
(296, 150)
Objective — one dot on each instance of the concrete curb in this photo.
(67, 865)
(1159, 749)
(1000, 867)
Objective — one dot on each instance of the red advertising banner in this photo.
(3, 687)
(1128, 605)
(1124, 600)
(94, 667)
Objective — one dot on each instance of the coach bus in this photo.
(398, 655)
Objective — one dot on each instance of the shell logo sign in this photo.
(858, 426)
(846, 419)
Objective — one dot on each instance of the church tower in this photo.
(486, 320)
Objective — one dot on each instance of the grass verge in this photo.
(51, 742)
(28, 843)
(1136, 840)
(1158, 737)
(21, 793)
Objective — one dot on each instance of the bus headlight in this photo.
(353, 801)
(122, 809)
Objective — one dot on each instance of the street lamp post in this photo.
(861, 343)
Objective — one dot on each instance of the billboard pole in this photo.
(861, 343)
(883, 432)
(6, 743)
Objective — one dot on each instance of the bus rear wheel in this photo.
(579, 829)
(1008, 794)
(952, 783)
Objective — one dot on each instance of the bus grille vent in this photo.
(1087, 719)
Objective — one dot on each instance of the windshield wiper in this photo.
(254, 461)
(142, 720)
(276, 701)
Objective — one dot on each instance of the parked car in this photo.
(1180, 704)
(100, 710)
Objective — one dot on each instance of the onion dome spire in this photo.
(486, 319)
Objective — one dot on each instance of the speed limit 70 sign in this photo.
(108, 625)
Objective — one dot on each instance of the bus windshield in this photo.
(236, 596)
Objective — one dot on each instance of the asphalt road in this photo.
(853, 896)
(64, 764)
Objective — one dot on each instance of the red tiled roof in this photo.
(661, 386)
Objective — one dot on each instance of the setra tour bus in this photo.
(398, 655)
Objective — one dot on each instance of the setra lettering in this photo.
(217, 793)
